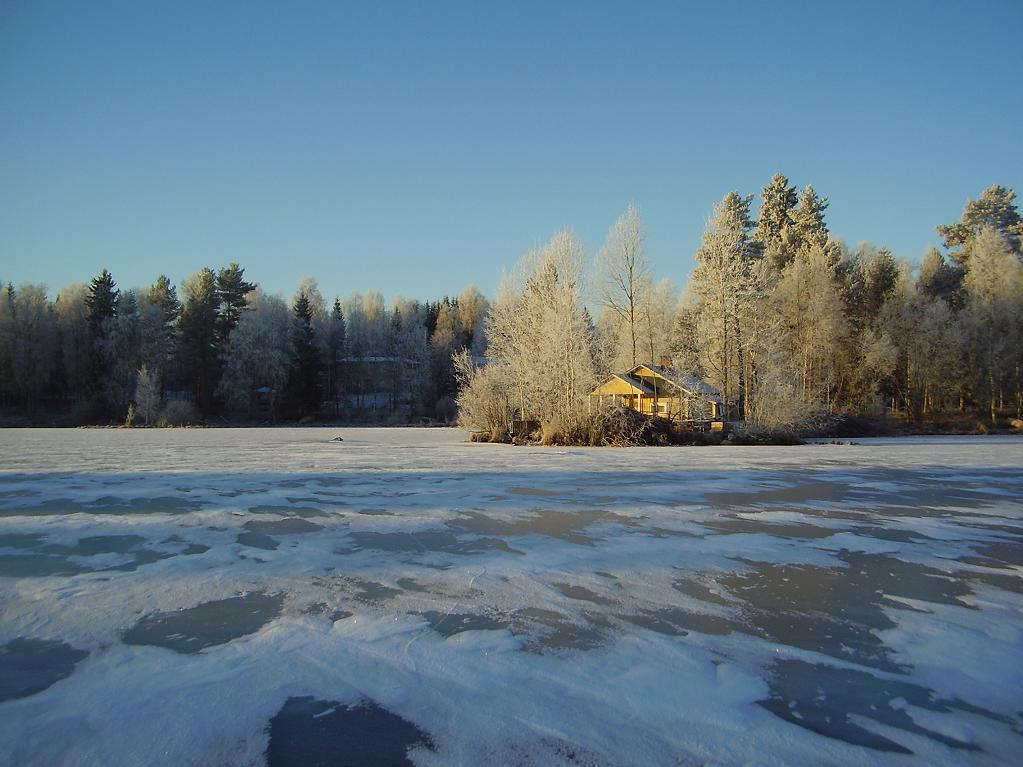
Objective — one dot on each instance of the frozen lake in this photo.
(243, 597)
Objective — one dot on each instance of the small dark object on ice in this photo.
(337, 439)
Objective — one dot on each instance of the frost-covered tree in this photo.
(809, 329)
(408, 347)
(198, 336)
(994, 209)
(472, 312)
(446, 340)
(723, 289)
(258, 358)
(625, 281)
(925, 377)
(686, 350)
(939, 279)
(775, 221)
(74, 345)
(992, 321)
(483, 396)
(29, 335)
(159, 309)
(808, 226)
(318, 311)
(147, 395)
(7, 336)
(537, 334)
(453, 325)
(657, 316)
(367, 324)
(120, 351)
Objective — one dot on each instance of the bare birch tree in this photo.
(624, 277)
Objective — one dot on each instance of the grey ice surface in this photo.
(268, 596)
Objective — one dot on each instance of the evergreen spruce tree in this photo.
(101, 302)
(335, 349)
(303, 383)
(165, 295)
(160, 310)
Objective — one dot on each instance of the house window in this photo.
(660, 408)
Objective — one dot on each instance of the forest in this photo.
(795, 328)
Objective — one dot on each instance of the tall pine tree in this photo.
(232, 290)
(101, 303)
(995, 209)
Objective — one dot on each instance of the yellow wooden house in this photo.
(662, 391)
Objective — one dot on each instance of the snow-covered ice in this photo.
(238, 597)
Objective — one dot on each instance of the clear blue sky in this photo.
(415, 148)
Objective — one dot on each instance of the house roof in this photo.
(637, 385)
(685, 381)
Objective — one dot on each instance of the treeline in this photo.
(793, 326)
(225, 349)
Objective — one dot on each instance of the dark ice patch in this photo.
(371, 591)
(21, 540)
(795, 491)
(105, 505)
(822, 698)
(258, 541)
(1003, 554)
(411, 584)
(317, 733)
(449, 624)
(535, 492)
(55, 558)
(550, 630)
(424, 542)
(563, 525)
(28, 666)
(288, 526)
(207, 624)
(23, 493)
(99, 544)
(796, 530)
(836, 611)
(35, 565)
(698, 590)
(322, 608)
(675, 621)
(584, 594)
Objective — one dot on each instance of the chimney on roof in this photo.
(665, 362)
